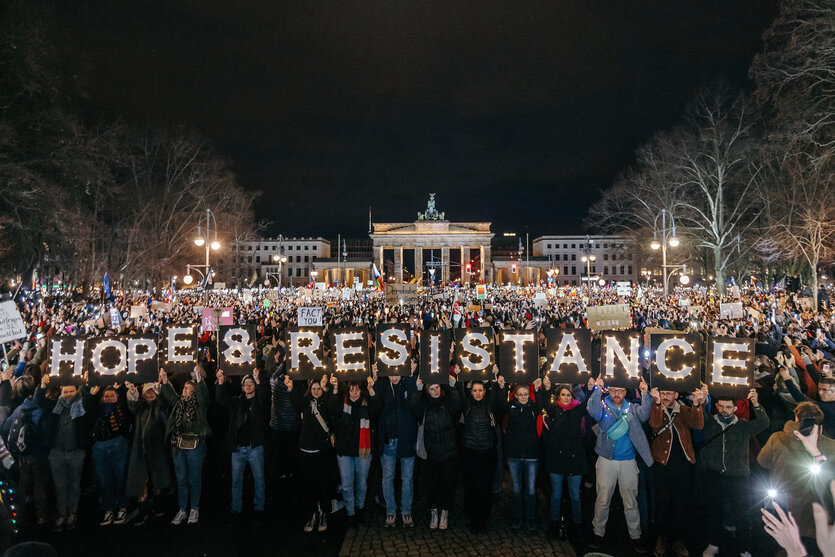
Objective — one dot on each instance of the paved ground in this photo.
(373, 539)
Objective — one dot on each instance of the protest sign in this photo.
(731, 310)
(236, 349)
(567, 352)
(11, 325)
(615, 316)
(518, 356)
(138, 312)
(114, 360)
(349, 359)
(730, 366)
(481, 292)
(393, 347)
(65, 359)
(474, 353)
(178, 348)
(434, 356)
(310, 317)
(675, 360)
(305, 353)
(401, 294)
(620, 357)
(209, 319)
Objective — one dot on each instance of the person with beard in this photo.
(725, 457)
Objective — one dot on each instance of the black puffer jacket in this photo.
(283, 414)
(312, 437)
(438, 415)
(480, 421)
(521, 440)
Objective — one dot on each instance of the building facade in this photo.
(608, 258)
(285, 261)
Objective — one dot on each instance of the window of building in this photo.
(565, 246)
(605, 270)
(573, 246)
(298, 259)
(565, 257)
(290, 248)
(573, 270)
(258, 259)
(305, 271)
(630, 257)
(621, 270)
(307, 259)
(298, 248)
(594, 268)
(630, 269)
(565, 270)
(249, 259)
(289, 271)
(574, 257)
(306, 248)
(605, 246)
(605, 257)
(548, 246)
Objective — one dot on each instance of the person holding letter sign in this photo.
(187, 429)
(436, 407)
(522, 448)
(620, 440)
(352, 410)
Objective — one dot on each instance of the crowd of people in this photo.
(681, 462)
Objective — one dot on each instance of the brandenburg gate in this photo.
(431, 231)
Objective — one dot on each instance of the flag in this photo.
(378, 280)
(207, 280)
(106, 286)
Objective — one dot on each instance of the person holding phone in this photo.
(826, 395)
(792, 465)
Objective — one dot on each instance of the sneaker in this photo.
(745, 554)
(193, 516)
(59, 524)
(407, 521)
(178, 518)
(71, 523)
(433, 520)
(638, 547)
(680, 550)
(122, 516)
(310, 523)
(107, 519)
(391, 520)
(660, 547)
(444, 522)
(710, 551)
(143, 518)
(323, 522)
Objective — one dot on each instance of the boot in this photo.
(444, 521)
(660, 547)
(433, 520)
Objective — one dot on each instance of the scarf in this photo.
(111, 421)
(725, 422)
(185, 412)
(365, 429)
(75, 405)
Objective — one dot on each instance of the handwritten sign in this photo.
(310, 317)
(615, 316)
(11, 325)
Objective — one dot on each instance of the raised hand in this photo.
(599, 383)
(334, 381)
(220, 377)
(256, 375)
(656, 396)
(754, 398)
(163, 377)
(288, 383)
(94, 390)
(501, 382)
(824, 532)
(643, 387)
(537, 384)
(784, 530)
(546, 382)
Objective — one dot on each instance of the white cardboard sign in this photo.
(11, 325)
(310, 317)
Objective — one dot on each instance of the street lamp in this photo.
(668, 237)
(587, 258)
(684, 279)
(280, 259)
(188, 279)
(210, 227)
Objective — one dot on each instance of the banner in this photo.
(518, 356)
(310, 317)
(65, 358)
(616, 316)
(305, 353)
(568, 353)
(393, 348)
(349, 359)
(112, 360)
(178, 348)
(731, 310)
(209, 319)
(11, 324)
(620, 358)
(236, 349)
(434, 356)
(675, 361)
(474, 353)
(402, 294)
(730, 366)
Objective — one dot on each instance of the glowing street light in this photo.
(188, 279)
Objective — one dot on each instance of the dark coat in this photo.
(312, 437)
(283, 414)
(479, 421)
(438, 415)
(397, 415)
(150, 457)
(81, 425)
(564, 440)
(521, 440)
(259, 410)
(346, 425)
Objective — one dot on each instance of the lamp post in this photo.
(587, 258)
(280, 259)
(211, 232)
(668, 236)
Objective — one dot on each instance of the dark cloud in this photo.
(517, 113)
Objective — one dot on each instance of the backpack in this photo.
(23, 435)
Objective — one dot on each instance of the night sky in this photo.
(517, 113)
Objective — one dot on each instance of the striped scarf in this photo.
(365, 429)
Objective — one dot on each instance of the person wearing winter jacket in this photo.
(67, 429)
(480, 406)
(110, 454)
(245, 438)
(149, 466)
(284, 427)
(522, 449)
(187, 429)
(315, 450)
(437, 407)
(566, 455)
(397, 428)
(351, 412)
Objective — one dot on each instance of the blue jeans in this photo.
(388, 461)
(188, 468)
(573, 492)
(523, 473)
(255, 458)
(353, 472)
(110, 461)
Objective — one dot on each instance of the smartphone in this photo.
(411, 334)
(826, 368)
(806, 426)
